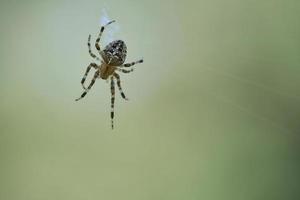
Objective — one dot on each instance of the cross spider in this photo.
(113, 56)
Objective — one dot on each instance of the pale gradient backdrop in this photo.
(213, 114)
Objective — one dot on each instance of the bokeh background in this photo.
(213, 112)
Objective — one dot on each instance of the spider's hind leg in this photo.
(90, 51)
(99, 36)
(119, 85)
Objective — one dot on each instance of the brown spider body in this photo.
(106, 71)
(113, 55)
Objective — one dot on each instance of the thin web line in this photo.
(242, 108)
(249, 82)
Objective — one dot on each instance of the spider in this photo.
(113, 57)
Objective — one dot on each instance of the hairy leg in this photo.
(112, 89)
(133, 63)
(99, 36)
(119, 85)
(89, 87)
(125, 70)
(86, 73)
(90, 51)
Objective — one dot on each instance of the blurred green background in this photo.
(213, 113)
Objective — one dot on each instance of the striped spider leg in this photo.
(112, 90)
(100, 34)
(132, 63)
(117, 76)
(94, 65)
(90, 86)
(129, 65)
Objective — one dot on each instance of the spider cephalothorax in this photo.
(113, 55)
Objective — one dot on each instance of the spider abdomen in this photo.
(114, 53)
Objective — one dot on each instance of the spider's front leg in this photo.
(86, 73)
(99, 36)
(112, 89)
(89, 87)
(119, 85)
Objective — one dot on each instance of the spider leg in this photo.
(125, 70)
(112, 89)
(119, 85)
(133, 63)
(99, 36)
(89, 87)
(90, 51)
(86, 73)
